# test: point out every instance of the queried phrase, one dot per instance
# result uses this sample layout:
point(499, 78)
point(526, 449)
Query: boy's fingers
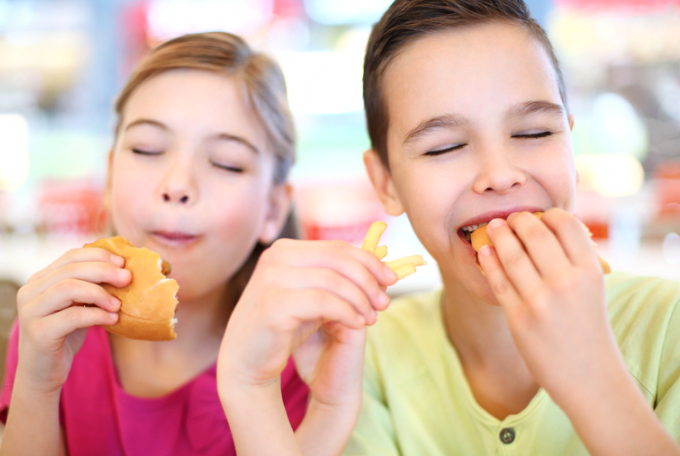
point(573, 237)
point(544, 249)
point(500, 285)
point(513, 259)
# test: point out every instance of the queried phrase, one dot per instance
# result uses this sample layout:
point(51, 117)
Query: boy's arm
point(549, 283)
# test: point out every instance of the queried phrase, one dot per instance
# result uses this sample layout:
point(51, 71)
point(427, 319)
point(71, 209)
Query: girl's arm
point(311, 299)
point(55, 308)
point(546, 276)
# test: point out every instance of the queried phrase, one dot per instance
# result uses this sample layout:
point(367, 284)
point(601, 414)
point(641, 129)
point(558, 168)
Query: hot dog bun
point(148, 303)
point(479, 238)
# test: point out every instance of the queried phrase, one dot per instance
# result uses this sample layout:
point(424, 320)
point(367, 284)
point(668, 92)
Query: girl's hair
point(264, 90)
point(260, 78)
point(406, 21)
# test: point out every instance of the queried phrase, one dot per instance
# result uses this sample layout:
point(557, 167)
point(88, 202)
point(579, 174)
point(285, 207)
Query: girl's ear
point(382, 183)
point(280, 200)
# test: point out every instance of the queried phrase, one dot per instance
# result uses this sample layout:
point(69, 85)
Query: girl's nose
point(498, 173)
point(178, 185)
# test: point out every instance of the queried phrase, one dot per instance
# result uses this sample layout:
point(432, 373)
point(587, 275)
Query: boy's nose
point(499, 174)
point(182, 199)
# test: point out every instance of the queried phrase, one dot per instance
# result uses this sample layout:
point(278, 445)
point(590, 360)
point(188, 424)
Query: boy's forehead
point(453, 70)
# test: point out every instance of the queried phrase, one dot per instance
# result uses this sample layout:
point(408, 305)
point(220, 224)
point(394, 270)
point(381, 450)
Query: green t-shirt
point(417, 400)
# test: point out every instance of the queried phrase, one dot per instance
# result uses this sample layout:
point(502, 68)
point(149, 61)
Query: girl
point(539, 354)
point(197, 173)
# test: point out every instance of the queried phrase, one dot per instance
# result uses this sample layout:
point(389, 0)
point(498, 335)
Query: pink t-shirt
point(100, 418)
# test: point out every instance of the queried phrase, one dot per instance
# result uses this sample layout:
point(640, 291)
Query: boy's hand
point(546, 276)
point(311, 298)
point(56, 307)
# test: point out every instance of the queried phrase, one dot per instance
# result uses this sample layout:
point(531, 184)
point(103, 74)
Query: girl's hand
point(311, 298)
point(546, 276)
point(56, 307)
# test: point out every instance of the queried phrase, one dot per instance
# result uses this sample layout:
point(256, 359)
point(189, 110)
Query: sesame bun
point(148, 303)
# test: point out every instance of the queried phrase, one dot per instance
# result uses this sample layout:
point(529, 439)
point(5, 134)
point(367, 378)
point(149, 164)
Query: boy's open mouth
point(467, 230)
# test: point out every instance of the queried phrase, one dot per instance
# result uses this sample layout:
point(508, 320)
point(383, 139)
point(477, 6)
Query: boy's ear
point(107, 188)
point(382, 183)
point(280, 200)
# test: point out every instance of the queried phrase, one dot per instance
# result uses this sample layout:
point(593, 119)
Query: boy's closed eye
point(435, 152)
point(533, 135)
point(140, 151)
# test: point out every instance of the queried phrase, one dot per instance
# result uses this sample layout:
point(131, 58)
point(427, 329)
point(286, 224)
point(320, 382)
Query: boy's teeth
point(471, 228)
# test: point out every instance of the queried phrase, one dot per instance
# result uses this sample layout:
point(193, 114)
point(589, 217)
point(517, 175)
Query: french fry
point(415, 260)
point(373, 236)
point(404, 270)
point(381, 251)
point(403, 266)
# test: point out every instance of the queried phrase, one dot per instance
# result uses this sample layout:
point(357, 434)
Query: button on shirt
point(417, 400)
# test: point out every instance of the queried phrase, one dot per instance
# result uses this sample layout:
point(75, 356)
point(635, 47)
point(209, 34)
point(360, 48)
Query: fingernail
point(114, 316)
point(123, 273)
point(118, 260)
point(390, 273)
point(485, 251)
point(383, 299)
point(495, 223)
point(115, 303)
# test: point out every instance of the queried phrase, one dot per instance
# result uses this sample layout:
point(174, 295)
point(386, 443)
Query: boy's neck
point(495, 371)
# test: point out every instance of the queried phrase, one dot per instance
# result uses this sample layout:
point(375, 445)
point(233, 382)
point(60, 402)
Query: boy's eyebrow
point(532, 107)
point(435, 123)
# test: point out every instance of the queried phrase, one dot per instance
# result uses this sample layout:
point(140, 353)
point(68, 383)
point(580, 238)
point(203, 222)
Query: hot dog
point(148, 303)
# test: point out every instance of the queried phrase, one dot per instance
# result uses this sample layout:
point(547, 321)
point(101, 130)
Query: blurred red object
point(342, 210)
point(71, 207)
point(667, 185)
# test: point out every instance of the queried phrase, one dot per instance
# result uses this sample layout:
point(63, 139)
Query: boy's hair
point(264, 89)
point(261, 80)
point(406, 21)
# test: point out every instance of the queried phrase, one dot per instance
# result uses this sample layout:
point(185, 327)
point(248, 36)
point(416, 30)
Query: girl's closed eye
point(228, 167)
point(145, 151)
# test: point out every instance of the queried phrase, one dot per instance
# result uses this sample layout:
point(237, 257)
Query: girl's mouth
point(174, 238)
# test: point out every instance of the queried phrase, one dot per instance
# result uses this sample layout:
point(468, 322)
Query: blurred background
point(63, 61)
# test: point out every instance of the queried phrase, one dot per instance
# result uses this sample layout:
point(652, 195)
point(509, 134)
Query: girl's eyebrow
point(435, 123)
point(533, 107)
point(153, 123)
point(219, 136)
point(245, 142)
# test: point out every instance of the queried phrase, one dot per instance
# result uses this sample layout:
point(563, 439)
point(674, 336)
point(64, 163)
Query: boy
point(527, 349)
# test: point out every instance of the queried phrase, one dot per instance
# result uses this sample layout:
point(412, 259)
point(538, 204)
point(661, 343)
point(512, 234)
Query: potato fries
point(403, 266)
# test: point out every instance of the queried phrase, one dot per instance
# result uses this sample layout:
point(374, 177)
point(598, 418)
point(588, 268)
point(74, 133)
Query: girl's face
point(477, 130)
point(191, 177)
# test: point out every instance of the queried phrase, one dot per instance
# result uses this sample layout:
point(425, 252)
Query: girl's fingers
point(573, 237)
point(81, 255)
point(500, 285)
point(68, 292)
point(360, 267)
point(334, 282)
point(513, 259)
point(544, 249)
point(63, 323)
point(316, 305)
point(93, 272)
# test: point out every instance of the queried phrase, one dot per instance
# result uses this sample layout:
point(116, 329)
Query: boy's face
point(477, 130)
